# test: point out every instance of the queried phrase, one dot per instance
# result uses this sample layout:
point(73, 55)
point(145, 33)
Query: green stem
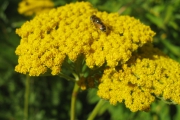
point(96, 110)
point(73, 101)
point(66, 77)
point(26, 97)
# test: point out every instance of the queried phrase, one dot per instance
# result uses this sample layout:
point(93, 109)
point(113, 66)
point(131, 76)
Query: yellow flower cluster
point(31, 7)
point(147, 75)
point(132, 70)
point(68, 32)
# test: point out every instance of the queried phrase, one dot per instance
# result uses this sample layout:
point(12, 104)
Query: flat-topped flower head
point(68, 32)
point(149, 74)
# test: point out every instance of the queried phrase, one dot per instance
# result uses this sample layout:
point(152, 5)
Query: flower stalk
point(26, 97)
point(96, 109)
point(73, 101)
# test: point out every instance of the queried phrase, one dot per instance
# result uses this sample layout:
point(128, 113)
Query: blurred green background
point(49, 97)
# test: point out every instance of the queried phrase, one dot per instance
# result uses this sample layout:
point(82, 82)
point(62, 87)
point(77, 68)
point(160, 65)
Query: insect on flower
point(98, 23)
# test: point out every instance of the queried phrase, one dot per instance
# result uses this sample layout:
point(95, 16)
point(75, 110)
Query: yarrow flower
point(121, 61)
point(68, 32)
point(149, 74)
point(32, 7)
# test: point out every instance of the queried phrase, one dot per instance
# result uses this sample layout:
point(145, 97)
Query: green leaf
point(158, 21)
